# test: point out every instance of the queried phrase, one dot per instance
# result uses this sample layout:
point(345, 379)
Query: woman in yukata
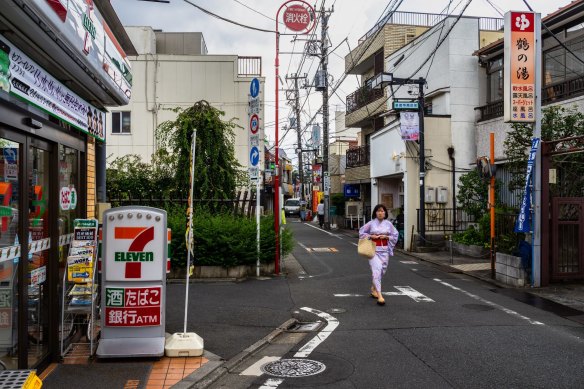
point(385, 235)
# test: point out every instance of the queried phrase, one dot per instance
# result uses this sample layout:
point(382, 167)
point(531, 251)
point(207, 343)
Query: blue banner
point(523, 223)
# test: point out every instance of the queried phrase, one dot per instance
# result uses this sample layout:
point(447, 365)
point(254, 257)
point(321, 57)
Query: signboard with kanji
point(133, 286)
point(522, 31)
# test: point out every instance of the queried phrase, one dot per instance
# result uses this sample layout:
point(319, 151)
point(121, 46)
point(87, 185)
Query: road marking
point(492, 304)
point(271, 383)
point(403, 291)
point(255, 368)
point(332, 324)
point(321, 249)
point(409, 262)
point(325, 231)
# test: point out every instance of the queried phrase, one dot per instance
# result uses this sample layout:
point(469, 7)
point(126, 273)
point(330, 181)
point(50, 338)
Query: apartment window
point(121, 122)
point(561, 66)
point(495, 80)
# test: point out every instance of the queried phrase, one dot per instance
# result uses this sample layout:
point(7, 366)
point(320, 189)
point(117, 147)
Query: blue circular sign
point(254, 156)
point(254, 88)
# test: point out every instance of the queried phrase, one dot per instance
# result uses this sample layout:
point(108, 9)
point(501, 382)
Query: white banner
point(27, 80)
point(409, 125)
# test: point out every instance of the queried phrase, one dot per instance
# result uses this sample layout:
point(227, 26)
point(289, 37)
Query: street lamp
point(384, 79)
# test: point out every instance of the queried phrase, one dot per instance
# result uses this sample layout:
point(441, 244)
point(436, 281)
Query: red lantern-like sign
point(297, 18)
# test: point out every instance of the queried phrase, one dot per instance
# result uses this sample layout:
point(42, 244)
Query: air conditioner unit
point(320, 80)
point(442, 195)
point(430, 197)
point(353, 208)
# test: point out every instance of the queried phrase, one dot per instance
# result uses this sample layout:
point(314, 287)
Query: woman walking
point(385, 236)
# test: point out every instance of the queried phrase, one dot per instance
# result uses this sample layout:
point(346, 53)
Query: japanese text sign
point(133, 307)
point(521, 56)
point(298, 17)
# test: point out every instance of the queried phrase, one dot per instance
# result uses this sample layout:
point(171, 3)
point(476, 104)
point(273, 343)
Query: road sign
point(298, 17)
point(254, 140)
point(253, 105)
point(253, 173)
point(254, 88)
point(405, 105)
point(254, 156)
point(254, 124)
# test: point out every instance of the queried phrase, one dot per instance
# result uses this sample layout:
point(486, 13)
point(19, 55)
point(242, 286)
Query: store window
point(121, 122)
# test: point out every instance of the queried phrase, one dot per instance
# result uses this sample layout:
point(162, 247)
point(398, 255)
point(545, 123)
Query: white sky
point(351, 19)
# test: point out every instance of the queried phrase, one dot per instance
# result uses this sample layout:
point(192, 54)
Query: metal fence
point(243, 204)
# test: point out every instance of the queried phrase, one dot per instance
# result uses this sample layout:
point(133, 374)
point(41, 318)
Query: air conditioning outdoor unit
point(442, 195)
point(430, 197)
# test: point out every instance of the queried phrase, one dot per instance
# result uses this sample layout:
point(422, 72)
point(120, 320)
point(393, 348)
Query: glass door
point(10, 166)
point(38, 255)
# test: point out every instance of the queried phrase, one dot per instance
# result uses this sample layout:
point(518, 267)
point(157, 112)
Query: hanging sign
point(409, 125)
point(521, 33)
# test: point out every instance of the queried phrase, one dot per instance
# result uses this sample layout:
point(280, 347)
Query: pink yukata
point(381, 259)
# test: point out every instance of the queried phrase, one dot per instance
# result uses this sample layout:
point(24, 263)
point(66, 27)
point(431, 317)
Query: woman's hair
point(374, 214)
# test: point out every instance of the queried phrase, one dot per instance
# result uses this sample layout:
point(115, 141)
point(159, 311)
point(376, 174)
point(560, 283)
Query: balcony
point(563, 90)
point(490, 111)
point(358, 156)
point(361, 97)
point(249, 66)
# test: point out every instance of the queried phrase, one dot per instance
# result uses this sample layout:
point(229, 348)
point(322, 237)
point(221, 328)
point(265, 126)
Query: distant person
point(320, 213)
point(385, 236)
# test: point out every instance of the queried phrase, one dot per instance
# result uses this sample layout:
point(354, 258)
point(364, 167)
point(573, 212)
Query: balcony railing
point(249, 66)
point(563, 90)
point(361, 97)
point(490, 111)
point(358, 156)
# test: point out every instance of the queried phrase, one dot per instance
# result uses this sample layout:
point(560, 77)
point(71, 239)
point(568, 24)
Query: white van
point(292, 206)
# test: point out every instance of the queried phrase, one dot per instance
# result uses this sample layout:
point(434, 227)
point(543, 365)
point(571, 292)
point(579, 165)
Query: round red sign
point(297, 18)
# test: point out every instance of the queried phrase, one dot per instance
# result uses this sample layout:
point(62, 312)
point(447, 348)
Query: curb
point(215, 369)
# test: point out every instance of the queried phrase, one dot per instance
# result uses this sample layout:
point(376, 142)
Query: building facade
point(386, 166)
point(61, 63)
point(174, 70)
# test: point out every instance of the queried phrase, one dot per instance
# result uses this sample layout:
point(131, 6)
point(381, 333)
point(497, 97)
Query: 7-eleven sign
point(135, 246)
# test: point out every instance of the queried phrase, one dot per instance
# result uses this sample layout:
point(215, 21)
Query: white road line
point(409, 262)
point(492, 304)
point(271, 383)
point(255, 368)
point(303, 246)
point(414, 294)
point(325, 231)
point(403, 291)
point(332, 324)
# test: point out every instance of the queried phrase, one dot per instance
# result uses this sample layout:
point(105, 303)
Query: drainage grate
point(306, 327)
point(293, 368)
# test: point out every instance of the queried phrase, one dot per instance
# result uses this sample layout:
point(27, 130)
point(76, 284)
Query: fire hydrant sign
point(133, 286)
point(133, 307)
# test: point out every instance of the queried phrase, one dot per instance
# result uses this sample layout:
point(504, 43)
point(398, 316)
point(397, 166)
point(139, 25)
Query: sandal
point(374, 294)
point(380, 301)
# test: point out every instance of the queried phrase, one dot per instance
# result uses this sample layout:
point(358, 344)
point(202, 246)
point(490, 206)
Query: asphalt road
point(437, 329)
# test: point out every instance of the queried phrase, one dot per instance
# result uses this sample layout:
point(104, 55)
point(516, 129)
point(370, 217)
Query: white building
point(174, 70)
point(451, 95)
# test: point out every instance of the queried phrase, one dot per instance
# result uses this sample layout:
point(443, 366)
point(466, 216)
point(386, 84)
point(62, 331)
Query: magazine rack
point(80, 290)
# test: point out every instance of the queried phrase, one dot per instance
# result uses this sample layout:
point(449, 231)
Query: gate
point(562, 209)
point(567, 223)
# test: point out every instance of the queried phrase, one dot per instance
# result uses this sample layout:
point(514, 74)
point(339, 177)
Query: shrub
point(471, 236)
point(223, 239)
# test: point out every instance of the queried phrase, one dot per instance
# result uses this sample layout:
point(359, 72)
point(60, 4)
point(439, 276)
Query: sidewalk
point(567, 294)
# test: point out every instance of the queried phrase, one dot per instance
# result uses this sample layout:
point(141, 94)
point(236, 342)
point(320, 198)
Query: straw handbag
point(366, 248)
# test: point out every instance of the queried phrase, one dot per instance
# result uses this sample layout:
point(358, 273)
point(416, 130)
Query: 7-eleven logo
point(135, 255)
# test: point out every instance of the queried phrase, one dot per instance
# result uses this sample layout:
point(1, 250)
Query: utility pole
point(296, 77)
point(325, 113)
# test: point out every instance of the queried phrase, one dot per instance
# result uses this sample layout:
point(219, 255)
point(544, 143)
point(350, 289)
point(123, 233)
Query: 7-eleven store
point(61, 63)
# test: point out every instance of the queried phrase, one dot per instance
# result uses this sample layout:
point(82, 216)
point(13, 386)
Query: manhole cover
point(478, 307)
point(293, 368)
point(336, 310)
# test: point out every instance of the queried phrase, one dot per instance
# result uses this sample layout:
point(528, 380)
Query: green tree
point(557, 122)
point(217, 171)
point(473, 194)
point(129, 176)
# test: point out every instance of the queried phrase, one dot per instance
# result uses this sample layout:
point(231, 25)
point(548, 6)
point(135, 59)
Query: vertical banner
point(523, 223)
point(519, 67)
point(409, 125)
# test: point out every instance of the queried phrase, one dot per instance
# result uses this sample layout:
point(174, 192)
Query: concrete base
point(510, 270)
point(183, 344)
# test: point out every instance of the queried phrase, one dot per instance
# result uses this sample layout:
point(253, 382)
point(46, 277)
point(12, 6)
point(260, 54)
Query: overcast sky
point(351, 19)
